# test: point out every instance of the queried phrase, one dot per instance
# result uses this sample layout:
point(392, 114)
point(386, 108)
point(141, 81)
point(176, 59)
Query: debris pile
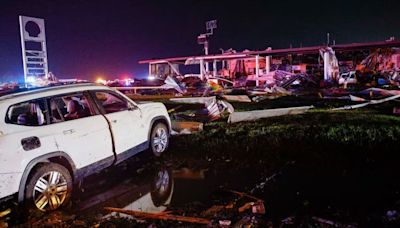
point(244, 206)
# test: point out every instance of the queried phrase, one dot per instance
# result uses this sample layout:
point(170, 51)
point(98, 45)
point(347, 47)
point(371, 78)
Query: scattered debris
point(186, 173)
point(245, 207)
point(242, 194)
point(162, 216)
point(375, 92)
point(358, 99)
point(5, 213)
point(215, 209)
point(258, 114)
point(327, 222)
point(174, 109)
point(226, 106)
point(213, 109)
point(225, 223)
point(171, 82)
point(271, 177)
point(3, 224)
point(392, 215)
point(246, 221)
point(187, 127)
point(258, 208)
point(288, 220)
point(396, 110)
point(373, 102)
point(237, 98)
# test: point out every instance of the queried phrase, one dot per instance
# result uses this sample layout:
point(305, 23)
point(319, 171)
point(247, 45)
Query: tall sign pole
point(203, 38)
point(34, 50)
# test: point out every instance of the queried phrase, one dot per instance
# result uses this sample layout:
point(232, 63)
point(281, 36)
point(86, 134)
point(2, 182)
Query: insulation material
point(169, 81)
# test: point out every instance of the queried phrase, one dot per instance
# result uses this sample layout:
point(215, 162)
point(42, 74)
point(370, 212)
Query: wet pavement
point(292, 194)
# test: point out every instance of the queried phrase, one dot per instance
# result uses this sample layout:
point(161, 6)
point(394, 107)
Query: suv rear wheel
point(49, 187)
point(159, 139)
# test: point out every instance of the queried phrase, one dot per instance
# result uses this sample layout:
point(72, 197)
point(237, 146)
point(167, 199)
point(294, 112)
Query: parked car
point(51, 138)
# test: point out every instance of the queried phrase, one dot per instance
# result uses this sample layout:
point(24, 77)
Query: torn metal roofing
point(275, 52)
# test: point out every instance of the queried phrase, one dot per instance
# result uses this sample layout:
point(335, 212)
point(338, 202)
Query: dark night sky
point(88, 38)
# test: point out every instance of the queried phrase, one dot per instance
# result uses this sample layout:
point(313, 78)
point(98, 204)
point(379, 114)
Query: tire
point(49, 188)
point(159, 139)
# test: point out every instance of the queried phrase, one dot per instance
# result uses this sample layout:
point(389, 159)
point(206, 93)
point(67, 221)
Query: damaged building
point(369, 64)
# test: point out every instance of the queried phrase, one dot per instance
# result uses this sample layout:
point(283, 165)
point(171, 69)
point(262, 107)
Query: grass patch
point(320, 135)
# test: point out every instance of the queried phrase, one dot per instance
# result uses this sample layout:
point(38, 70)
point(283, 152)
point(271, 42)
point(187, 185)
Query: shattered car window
point(111, 103)
point(69, 107)
point(31, 113)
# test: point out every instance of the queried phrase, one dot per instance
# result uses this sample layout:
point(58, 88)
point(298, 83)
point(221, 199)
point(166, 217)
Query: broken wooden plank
point(242, 194)
point(237, 98)
point(189, 126)
point(259, 114)
point(161, 216)
point(245, 207)
point(5, 212)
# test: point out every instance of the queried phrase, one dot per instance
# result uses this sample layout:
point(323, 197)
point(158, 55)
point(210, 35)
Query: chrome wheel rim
point(162, 181)
point(160, 140)
point(50, 191)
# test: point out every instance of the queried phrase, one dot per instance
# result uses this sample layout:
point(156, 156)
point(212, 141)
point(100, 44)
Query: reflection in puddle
point(147, 193)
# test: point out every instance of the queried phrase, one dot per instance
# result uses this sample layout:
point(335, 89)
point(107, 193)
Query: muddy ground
point(322, 168)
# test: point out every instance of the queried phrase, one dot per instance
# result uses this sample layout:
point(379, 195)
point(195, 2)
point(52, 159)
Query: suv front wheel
point(49, 187)
point(159, 139)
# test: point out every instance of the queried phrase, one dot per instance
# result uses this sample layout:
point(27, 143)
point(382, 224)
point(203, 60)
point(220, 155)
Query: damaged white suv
point(51, 138)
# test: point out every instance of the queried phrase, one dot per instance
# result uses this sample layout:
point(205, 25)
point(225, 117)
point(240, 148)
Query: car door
point(81, 132)
point(125, 121)
point(27, 135)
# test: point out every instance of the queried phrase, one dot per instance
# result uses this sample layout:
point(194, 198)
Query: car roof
point(61, 88)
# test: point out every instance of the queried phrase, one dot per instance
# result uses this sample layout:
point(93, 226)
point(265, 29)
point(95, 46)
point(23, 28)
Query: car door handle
point(114, 121)
point(68, 132)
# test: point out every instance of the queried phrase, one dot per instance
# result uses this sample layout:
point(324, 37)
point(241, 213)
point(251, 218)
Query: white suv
point(51, 138)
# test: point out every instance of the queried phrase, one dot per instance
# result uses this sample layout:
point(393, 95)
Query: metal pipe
point(215, 68)
point(257, 69)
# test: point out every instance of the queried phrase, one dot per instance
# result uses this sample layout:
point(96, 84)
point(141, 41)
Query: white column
point(267, 64)
point(327, 76)
point(202, 69)
point(257, 69)
point(149, 70)
point(206, 52)
point(215, 68)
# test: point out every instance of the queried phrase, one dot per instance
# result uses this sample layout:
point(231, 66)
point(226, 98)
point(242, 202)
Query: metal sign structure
point(34, 51)
point(202, 39)
point(210, 26)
